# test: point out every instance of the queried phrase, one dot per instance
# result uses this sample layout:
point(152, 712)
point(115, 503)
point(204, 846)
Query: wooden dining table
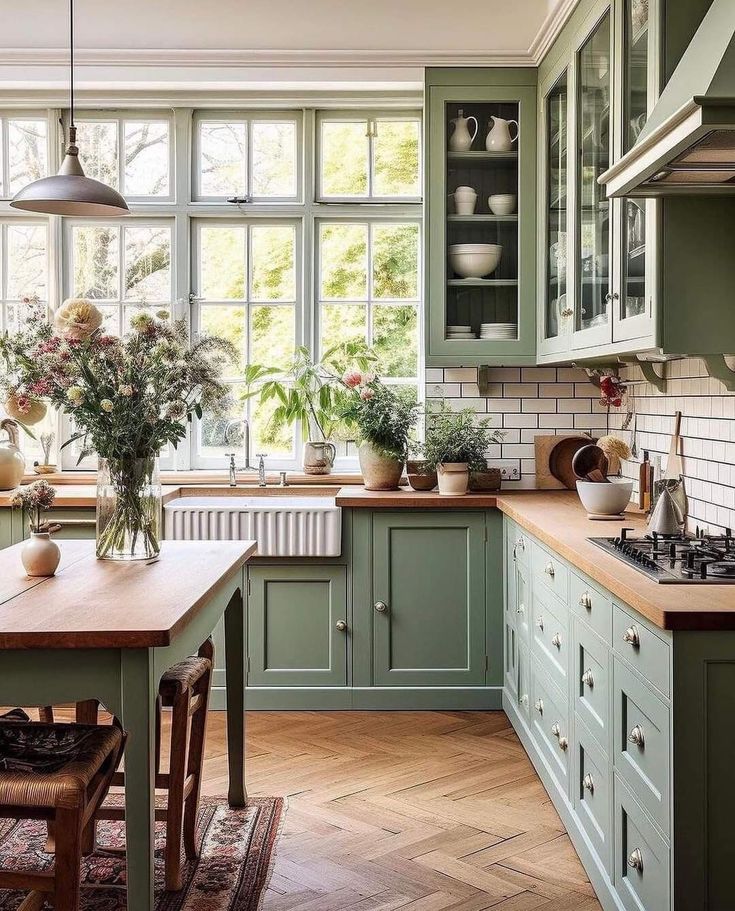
point(108, 630)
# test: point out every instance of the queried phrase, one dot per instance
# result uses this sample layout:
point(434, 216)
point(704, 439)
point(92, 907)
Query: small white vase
point(40, 555)
point(453, 478)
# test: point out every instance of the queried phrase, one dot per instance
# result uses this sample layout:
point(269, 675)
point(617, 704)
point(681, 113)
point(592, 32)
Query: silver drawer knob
point(521, 543)
point(539, 706)
point(563, 743)
point(556, 640)
point(549, 569)
point(631, 636)
point(540, 623)
point(588, 679)
point(588, 783)
point(341, 625)
point(635, 860)
point(521, 609)
point(637, 737)
point(524, 699)
point(586, 601)
point(381, 607)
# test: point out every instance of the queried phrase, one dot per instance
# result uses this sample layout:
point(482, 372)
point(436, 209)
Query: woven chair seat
point(182, 676)
point(51, 765)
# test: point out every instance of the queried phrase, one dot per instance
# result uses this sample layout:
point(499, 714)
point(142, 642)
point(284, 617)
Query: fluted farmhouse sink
point(283, 526)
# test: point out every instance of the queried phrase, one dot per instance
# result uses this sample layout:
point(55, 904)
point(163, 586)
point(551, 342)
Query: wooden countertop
point(93, 603)
point(557, 519)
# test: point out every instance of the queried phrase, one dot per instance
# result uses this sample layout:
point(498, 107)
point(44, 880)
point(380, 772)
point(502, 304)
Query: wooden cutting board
point(544, 445)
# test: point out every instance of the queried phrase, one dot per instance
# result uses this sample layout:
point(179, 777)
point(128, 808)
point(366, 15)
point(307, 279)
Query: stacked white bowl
point(474, 260)
point(460, 332)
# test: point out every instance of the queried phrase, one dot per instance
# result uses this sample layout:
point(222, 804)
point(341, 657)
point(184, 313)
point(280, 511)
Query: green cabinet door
point(6, 527)
point(75, 522)
point(428, 582)
point(297, 625)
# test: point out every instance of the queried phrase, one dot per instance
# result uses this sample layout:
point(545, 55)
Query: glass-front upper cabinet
point(594, 146)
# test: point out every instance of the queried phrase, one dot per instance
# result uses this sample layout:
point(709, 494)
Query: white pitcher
point(461, 139)
point(499, 138)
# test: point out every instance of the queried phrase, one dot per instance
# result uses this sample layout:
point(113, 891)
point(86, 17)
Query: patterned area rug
point(236, 850)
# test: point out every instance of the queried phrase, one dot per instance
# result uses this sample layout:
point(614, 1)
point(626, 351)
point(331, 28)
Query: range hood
point(688, 143)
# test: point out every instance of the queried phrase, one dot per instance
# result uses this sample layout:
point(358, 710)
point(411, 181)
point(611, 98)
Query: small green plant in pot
point(456, 443)
point(383, 418)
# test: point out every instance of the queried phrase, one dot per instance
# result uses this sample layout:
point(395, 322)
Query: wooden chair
point(60, 773)
point(185, 689)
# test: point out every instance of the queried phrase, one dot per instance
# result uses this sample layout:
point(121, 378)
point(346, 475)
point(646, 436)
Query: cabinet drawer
point(641, 748)
point(524, 682)
point(591, 793)
point(550, 635)
point(641, 648)
point(519, 544)
point(548, 570)
point(550, 724)
point(642, 857)
point(591, 675)
point(591, 604)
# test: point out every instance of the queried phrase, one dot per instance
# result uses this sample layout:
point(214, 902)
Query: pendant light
point(69, 192)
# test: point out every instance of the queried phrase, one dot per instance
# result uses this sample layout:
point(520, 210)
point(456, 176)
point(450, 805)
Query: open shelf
point(482, 282)
point(466, 158)
point(470, 219)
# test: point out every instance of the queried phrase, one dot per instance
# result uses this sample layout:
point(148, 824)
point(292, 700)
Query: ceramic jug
point(12, 463)
point(461, 139)
point(318, 457)
point(498, 137)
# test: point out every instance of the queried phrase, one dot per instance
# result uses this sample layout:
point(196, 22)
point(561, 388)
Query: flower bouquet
point(127, 397)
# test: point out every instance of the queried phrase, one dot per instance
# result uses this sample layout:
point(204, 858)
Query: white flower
point(106, 405)
point(75, 394)
point(176, 410)
point(77, 318)
point(125, 390)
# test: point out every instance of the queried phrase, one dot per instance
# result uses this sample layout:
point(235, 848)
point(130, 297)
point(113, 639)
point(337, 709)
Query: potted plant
point(421, 475)
point(311, 392)
point(456, 443)
point(40, 555)
point(383, 417)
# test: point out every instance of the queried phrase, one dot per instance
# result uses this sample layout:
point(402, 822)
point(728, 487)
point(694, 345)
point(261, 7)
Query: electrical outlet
point(509, 471)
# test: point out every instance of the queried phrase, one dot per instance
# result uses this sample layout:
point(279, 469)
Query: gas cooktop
point(672, 559)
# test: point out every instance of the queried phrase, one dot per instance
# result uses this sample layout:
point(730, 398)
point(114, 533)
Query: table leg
point(235, 679)
point(139, 690)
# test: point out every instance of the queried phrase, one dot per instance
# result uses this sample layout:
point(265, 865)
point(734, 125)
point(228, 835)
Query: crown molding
point(550, 28)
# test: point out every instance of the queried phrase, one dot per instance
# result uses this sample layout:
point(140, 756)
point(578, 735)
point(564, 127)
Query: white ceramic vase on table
point(40, 555)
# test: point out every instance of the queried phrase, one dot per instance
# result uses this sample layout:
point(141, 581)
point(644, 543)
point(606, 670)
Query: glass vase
point(128, 509)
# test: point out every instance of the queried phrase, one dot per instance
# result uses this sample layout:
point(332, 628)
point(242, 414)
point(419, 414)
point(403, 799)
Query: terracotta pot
point(40, 555)
point(379, 471)
point(318, 457)
point(453, 478)
point(419, 476)
point(36, 412)
point(485, 480)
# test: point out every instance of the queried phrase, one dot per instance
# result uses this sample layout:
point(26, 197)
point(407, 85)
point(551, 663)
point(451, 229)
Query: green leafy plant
point(308, 391)
point(457, 436)
point(382, 415)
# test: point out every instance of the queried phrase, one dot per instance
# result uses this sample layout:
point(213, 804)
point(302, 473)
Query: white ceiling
point(233, 42)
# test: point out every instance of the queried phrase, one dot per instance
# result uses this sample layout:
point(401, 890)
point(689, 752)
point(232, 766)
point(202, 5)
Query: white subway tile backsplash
point(538, 374)
point(460, 374)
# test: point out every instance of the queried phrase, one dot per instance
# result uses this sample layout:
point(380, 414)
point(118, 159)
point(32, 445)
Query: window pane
point(129, 312)
point(274, 159)
point(98, 150)
point(396, 158)
point(273, 335)
point(146, 157)
point(344, 153)
point(110, 319)
point(27, 153)
point(95, 253)
point(272, 249)
point(395, 261)
point(342, 323)
point(395, 339)
point(264, 437)
point(230, 323)
point(216, 438)
point(222, 258)
point(27, 263)
point(222, 154)
point(343, 258)
point(148, 263)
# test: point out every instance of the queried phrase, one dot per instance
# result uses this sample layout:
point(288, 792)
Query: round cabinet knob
point(341, 625)
point(549, 569)
point(556, 640)
point(616, 296)
point(524, 699)
point(631, 636)
point(381, 607)
point(637, 737)
point(588, 679)
point(563, 743)
point(521, 609)
point(586, 601)
point(556, 729)
point(521, 543)
point(539, 706)
point(588, 783)
point(635, 860)
point(608, 298)
point(540, 623)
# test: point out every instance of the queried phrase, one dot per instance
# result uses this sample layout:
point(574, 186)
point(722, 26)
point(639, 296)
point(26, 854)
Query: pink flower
point(367, 378)
point(41, 387)
point(366, 393)
point(23, 404)
point(352, 378)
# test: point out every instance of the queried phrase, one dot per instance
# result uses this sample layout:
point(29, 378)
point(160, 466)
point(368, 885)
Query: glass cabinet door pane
point(636, 82)
point(556, 205)
point(593, 143)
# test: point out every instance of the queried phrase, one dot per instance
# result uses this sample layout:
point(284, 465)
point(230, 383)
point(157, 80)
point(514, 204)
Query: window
point(23, 151)
point(23, 266)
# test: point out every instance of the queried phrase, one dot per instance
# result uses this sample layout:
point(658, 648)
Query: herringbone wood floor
point(422, 811)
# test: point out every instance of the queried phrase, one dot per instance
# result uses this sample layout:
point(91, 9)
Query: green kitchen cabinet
point(7, 517)
point(75, 522)
point(507, 295)
point(298, 625)
point(428, 593)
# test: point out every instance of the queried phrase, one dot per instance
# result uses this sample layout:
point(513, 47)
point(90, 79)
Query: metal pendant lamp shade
point(69, 192)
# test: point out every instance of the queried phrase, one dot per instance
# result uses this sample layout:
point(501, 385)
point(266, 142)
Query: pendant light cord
point(71, 63)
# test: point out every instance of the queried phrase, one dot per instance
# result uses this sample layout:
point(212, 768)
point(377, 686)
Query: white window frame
point(5, 299)
point(22, 114)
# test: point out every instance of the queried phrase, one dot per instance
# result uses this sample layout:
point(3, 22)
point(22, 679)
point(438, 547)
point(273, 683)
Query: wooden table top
point(93, 603)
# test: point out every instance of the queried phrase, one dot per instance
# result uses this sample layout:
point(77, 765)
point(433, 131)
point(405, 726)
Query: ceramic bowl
point(502, 203)
point(474, 260)
point(605, 499)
